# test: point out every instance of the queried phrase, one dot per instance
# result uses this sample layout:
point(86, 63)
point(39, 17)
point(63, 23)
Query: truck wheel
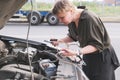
point(42, 19)
point(52, 19)
point(35, 19)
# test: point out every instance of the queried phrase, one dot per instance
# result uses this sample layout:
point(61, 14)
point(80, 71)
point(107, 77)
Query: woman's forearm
point(88, 49)
point(66, 39)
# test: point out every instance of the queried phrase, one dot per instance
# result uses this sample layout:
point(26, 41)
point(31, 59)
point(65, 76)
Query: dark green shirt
point(90, 31)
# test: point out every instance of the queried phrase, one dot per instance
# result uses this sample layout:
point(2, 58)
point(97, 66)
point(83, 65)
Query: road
point(45, 32)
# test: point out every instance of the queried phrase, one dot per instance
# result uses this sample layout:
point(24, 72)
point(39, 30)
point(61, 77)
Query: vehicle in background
point(37, 17)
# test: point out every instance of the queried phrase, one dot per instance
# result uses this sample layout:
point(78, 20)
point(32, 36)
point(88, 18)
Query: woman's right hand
point(54, 42)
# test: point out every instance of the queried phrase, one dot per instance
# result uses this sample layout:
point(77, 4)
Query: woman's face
point(65, 17)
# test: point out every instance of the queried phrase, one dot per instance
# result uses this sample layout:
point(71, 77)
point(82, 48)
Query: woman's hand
point(54, 42)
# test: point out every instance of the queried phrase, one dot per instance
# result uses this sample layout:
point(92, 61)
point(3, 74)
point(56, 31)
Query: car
point(23, 59)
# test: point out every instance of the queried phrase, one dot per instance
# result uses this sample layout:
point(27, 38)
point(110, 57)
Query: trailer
point(37, 17)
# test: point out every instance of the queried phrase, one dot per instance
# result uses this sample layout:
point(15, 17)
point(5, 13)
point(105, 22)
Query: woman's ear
point(72, 11)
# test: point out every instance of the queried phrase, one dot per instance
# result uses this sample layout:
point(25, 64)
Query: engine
point(14, 62)
point(19, 61)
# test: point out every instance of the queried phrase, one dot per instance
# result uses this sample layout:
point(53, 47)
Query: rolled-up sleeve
point(96, 34)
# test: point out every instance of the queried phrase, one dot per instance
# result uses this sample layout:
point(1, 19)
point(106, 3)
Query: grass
point(99, 9)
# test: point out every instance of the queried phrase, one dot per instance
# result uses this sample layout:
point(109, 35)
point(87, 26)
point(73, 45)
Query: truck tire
point(52, 19)
point(36, 18)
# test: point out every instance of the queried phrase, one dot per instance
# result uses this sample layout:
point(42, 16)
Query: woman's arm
point(88, 49)
point(66, 39)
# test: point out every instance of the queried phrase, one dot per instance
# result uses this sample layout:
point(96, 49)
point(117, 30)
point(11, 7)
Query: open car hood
point(8, 8)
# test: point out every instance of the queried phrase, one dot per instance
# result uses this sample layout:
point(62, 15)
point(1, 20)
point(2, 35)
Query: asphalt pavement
point(45, 32)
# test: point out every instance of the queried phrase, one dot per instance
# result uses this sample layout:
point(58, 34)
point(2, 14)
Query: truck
point(37, 17)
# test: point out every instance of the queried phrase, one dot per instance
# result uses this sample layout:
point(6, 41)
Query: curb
point(104, 19)
point(110, 19)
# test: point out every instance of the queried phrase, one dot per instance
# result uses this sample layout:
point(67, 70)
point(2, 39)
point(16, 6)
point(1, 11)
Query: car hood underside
point(8, 8)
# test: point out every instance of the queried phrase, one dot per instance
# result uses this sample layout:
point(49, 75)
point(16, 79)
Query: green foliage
point(40, 6)
point(98, 8)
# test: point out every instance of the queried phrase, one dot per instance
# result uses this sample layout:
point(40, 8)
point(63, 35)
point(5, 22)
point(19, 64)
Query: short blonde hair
point(62, 6)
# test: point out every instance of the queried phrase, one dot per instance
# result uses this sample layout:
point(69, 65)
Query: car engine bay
point(45, 64)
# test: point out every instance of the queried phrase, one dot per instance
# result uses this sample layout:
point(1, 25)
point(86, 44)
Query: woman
point(88, 29)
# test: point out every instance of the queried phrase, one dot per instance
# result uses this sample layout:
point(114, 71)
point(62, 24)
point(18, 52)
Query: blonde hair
point(62, 6)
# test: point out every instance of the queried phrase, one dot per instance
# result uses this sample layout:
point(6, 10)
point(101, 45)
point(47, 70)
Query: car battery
point(48, 68)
